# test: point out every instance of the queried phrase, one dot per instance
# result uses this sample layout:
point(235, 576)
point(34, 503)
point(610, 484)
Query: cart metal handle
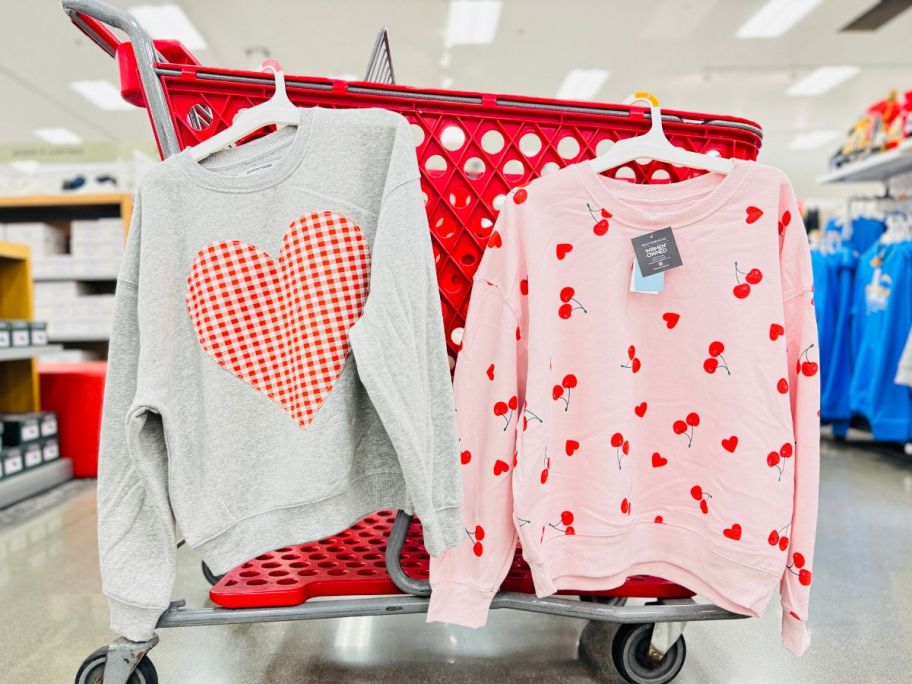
point(92, 17)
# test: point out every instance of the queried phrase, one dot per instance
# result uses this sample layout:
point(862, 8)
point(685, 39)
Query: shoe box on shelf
point(22, 334)
point(29, 439)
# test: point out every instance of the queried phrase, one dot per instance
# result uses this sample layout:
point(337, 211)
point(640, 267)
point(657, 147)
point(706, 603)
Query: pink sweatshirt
point(617, 433)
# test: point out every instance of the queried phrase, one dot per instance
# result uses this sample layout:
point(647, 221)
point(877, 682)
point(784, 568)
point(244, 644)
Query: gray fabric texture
point(185, 441)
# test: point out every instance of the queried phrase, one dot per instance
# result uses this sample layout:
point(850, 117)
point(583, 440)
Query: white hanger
point(654, 145)
point(278, 110)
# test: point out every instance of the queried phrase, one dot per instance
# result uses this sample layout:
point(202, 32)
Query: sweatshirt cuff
point(133, 622)
point(443, 529)
point(459, 604)
point(795, 637)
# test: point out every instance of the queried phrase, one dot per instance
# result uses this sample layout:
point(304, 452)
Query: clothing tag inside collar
point(656, 251)
point(257, 169)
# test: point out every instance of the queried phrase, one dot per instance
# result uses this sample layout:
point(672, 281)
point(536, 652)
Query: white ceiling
point(685, 51)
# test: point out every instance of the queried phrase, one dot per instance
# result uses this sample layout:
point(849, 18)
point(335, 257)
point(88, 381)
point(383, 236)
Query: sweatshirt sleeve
point(400, 349)
point(489, 387)
point(804, 394)
point(136, 536)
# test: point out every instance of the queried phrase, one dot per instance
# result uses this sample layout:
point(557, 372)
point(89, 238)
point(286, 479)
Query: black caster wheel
point(630, 653)
point(211, 577)
point(92, 670)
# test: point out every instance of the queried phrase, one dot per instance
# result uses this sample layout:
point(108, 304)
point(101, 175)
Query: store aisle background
point(54, 614)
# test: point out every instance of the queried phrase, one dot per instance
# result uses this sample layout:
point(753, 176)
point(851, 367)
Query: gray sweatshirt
point(233, 405)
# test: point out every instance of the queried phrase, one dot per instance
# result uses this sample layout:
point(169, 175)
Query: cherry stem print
point(533, 416)
point(751, 277)
point(522, 521)
point(622, 447)
point(595, 217)
point(601, 220)
point(807, 367)
point(686, 427)
point(697, 493)
point(568, 383)
point(566, 309)
point(566, 523)
point(633, 361)
point(476, 538)
point(546, 467)
point(715, 359)
point(780, 537)
point(796, 567)
point(775, 458)
point(505, 409)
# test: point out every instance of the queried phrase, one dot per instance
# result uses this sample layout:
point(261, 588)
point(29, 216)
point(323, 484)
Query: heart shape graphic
point(775, 331)
point(640, 410)
point(658, 460)
point(730, 444)
point(733, 532)
point(495, 240)
point(753, 213)
point(490, 372)
point(281, 325)
point(571, 446)
point(563, 249)
point(500, 467)
point(671, 319)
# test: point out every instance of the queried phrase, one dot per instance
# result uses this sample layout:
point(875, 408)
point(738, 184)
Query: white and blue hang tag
point(655, 253)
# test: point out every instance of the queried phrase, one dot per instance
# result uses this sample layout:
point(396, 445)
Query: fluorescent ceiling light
point(102, 94)
point(812, 139)
point(169, 22)
point(582, 84)
point(821, 80)
point(29, 166)
point(472, 22)
point(776, 17)
point(58, 136)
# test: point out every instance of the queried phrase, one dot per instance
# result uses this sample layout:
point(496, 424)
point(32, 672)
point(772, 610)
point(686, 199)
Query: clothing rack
point(464, 184)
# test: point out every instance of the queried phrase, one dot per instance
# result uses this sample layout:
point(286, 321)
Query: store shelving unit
point(877, 167)
point(19, 373)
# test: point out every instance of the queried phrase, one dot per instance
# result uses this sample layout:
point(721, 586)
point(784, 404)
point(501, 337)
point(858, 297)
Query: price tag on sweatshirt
point(656, 252)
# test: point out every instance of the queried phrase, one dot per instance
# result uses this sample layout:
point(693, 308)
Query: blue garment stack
point(863, 300)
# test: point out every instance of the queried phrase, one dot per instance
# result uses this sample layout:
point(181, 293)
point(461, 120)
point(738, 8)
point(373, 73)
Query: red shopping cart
point(472, 149)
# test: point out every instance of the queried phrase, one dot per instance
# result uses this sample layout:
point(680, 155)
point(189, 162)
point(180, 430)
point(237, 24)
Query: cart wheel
point(211, 577)
point(92, 670)
point(630, 653)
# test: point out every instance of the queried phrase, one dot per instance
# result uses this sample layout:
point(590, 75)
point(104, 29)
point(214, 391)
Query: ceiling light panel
point(472, 22)
point(57, 136)
point(812, 139)
point(776, 17)
point(103, 94)
point(168, 22)
point(821, 80)
point(582, 84)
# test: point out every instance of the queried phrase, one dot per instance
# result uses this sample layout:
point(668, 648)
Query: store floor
point(52, 614)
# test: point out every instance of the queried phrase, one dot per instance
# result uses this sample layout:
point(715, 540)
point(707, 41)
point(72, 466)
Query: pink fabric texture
point(616, 433)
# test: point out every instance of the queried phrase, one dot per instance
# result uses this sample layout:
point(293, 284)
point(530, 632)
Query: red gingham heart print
point(282, 325)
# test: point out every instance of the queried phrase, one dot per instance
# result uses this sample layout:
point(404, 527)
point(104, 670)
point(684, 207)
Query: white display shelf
point(19, 353)
point(877, 167)
point(34, 480)
point(80, 337)
point(52, 277)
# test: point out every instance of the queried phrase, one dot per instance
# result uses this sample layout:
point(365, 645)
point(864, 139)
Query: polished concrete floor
point(52, 614)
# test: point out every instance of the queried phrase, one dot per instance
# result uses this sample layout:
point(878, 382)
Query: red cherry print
point(679, 427)
point(479, 533)
point(741, 291)
point(520, 196)
point(772, 459)
point(465, 457)
point(617, 439)
point(808, 367)
point(693, 419)
point(625, 507)
point(569, 381)
point(658, 460)
point(658, 520)
point(566, 294)
point(786, 450)
point(733, 532)
point(804, 577)
point(567, 518)
point(571, 446)
point(730, 444)
point(704, 507)
point(754, 276)
point(478, 548)
point(783, 543)
point(500, 467)
point(640, 409)
point(562, 249)
point(773, 538)
point(564, 311)
point(625, 447)
point(631, 352)
point(710, 365)
point(776, 331)
point(635, 365)
point(495, 240)
point(606, 214)
point(500, 408)
point(557, 392)
point(794, 614)
point(786, 218)
point(524, 286)
point(716, 348)
point(782, 386)
point(490, 372)
point(696, 492)
point(798, 560)
point(601, 220)
point(518, 335)
point(570, 530)
point(513, 403)
point(544, 475)
point(671, 319)
point(753, 214)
